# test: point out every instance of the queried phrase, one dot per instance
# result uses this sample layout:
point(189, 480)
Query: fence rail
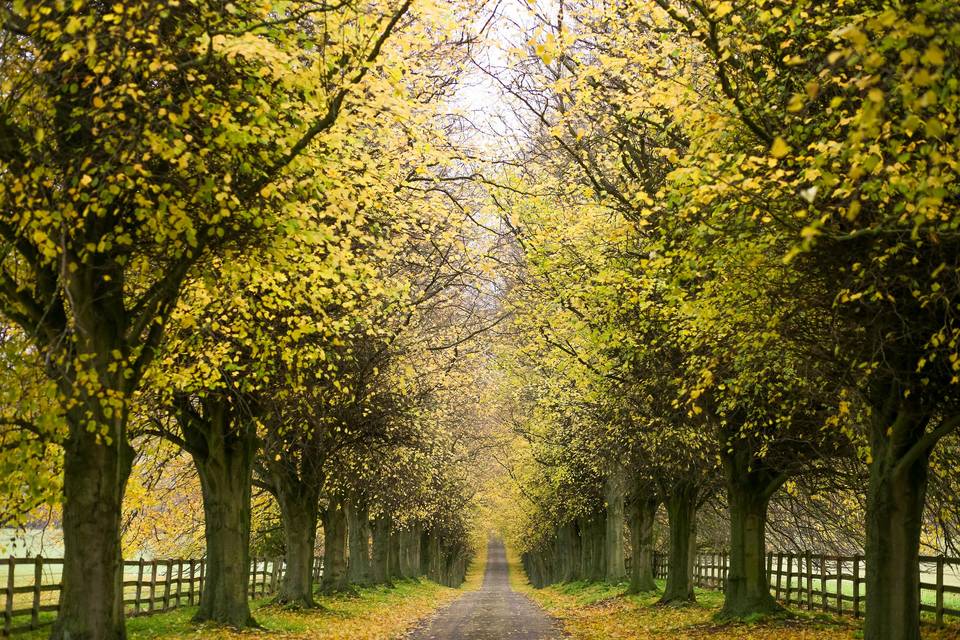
point(30, 587)
point(835, 584)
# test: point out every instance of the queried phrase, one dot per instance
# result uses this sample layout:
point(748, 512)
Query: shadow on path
point(494, 612)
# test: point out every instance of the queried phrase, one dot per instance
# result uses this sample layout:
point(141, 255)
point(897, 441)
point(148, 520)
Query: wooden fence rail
point(835, 584)
point(30, 587)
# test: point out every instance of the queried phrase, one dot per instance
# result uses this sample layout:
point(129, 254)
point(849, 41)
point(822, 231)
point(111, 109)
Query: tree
point(123, 167)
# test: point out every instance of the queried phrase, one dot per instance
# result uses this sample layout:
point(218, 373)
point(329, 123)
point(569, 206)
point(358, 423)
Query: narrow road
point(494, 612)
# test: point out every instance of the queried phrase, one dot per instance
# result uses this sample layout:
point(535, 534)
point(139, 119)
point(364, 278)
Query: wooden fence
point(31, 587)
point(835, 584)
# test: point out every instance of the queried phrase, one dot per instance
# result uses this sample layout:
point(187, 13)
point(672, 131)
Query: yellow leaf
point(779, 148)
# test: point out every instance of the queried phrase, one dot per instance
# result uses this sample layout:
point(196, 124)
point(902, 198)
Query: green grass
point(374, 613)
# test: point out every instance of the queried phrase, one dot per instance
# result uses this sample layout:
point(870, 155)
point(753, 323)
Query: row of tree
point(735, 270)
point(216, 234)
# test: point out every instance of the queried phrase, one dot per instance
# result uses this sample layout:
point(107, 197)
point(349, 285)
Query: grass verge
point(374, 613)
point(602, 611)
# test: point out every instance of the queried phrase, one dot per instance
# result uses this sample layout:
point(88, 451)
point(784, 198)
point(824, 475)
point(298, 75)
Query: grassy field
point(376, 613)
point(600, 611)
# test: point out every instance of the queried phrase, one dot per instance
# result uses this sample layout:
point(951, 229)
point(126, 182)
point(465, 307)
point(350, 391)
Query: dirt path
point(494, 612)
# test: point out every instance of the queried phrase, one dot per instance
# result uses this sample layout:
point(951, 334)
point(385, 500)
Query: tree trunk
point(435, 571)
point(358, 531)
point(748, 588)
point(682, 513)
point(583, 559)
point(95, 476)
point(615, 566)
point(380, 569)
point(642, 517)
point(394, 550)
point(750, 485)
point(593, 541)
point(225, 466)
point(334, 549)
point(299, 512)
point(895, 500)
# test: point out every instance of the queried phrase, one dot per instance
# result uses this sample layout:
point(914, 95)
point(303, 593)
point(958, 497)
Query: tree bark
point(748, 588)
point(567, 553)
point(380, 569)
point(750, 484)
point(334, 549)
point(615, 566)
point(593, 547)
point(394, 549)
point(224, 464)
point(642, 516)
point(95, 476)
point(682, 513)
point(299, 513)
point(895, 500)
point(358, 532)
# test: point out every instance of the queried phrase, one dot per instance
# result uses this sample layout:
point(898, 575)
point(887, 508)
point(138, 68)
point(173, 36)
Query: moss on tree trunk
point(335, 577)
point(615, 569)
point(895, 499)
point(358, 533)
point(750, 484)
point(299, 513)
point(380, 569)
point(95, 474)
point(682, 513)
point(641, 517)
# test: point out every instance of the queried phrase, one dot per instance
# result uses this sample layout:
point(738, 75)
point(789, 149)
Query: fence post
point(823, 582)
point(940, 561)
point(153, 584)
point(203, 567)
point(252, 580)
point(789, 576)
point(717, 571)
point(167, 585)
point(181, 596)
point(8, 610)
point(137, 594)
point(37, 581)
point(192, 583)
point(726, 568)
point(266, 574)
point(856, 585)
point(769, 570)
point(779, 571)
point(840, 585)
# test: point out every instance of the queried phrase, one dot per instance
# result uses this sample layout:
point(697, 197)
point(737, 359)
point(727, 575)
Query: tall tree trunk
point(394, 550)
point(895, 500)
point(358, 531)
point(598, 543)
point(95, 475)
point(334, 548)
point(424, 552)
point(750, 484)
point(616, 489)
point(435, 572)
point(641, 517)
point(682, 513)
point(566, 554)
point(225, 466)
point(380, 530)
point(299, 513)
point(583, 559)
